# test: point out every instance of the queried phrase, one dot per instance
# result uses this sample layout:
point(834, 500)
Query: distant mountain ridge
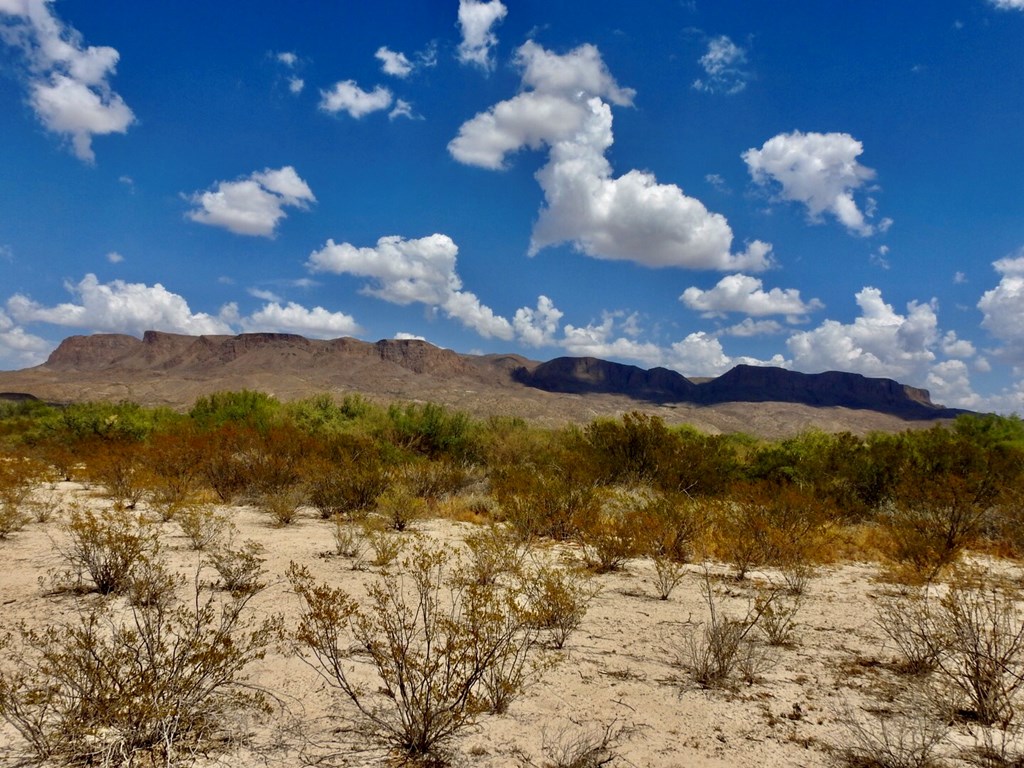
point(743, 383)
point(173, 369)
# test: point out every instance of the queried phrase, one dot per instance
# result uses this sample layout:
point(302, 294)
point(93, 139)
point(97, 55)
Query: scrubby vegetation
point(451, 637)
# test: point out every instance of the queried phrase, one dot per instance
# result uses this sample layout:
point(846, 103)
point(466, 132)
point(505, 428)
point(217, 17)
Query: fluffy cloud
point(565, 106)
point(1003, 307)
point(393, 62)
point(133, 308)
point(699, 354)
point(949, 383)
point(296, 84)
point(252, 205)
point(477, 20)
point(537, 327)
point(67, 81)
point(1008, 5)
point(819, 170)
point(294, 318)
point(18, 348)
point(745, 294)
point(288, 58)
point(118, 307)
point(599, 340)
point(347, 96)
point(881, 342)
point(413, 271)
point(723, 67)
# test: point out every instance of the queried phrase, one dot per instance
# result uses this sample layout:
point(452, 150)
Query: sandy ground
point(620, 671)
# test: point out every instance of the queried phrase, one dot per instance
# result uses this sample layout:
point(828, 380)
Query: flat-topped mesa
point(752, 383)
point(161, 351)
point(91, 353)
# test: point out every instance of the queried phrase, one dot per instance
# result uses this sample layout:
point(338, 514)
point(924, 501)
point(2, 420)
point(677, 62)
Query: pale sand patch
point(620, 669)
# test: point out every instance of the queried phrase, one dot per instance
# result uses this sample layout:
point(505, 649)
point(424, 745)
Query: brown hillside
point(174, 369)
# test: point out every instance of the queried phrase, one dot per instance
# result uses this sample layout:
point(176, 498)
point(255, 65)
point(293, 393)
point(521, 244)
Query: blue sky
point(820, 186)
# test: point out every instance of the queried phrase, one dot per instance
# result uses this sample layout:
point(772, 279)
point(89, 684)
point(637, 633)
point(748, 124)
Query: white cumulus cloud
point(477, 20)
point(745, 294)
point(538, 327)
point(420, 270)
point(565, 107)
point(1008, 5)
point(18, 348)
point(601, 340)
point(820, 171)
point(294, 318)
point(1003, 307)
point(723, 67)
point(393, 63)
point(67, 80)
point(252, 205)
point(118, 307)
point(881, 342)
point(347, 96)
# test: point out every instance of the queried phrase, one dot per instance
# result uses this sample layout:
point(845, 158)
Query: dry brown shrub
point(154, 683)
point(18, 478)
point(203, 525)
point(109, 546)
point(431, 639)
point(559, 599)
point(769, 525)
point(117, 465)
point(726, 645)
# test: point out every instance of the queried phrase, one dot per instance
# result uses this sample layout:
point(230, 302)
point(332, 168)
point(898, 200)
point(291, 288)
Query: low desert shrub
point(108, 546)
point(909, 622)
point(348, 485)
point(981, 636)
point(494, 552)
point(559, 599)
point(399, 508)
point(154, 683)
point(240, 569)
point(769, 525)
point(349, 539)
point(281, 504)
point(203, 525)
point(611, 532)
point(582, 746)
point(547, 504)
point(433, 480)
point(117, 466)
point(386, 546)
point(911, 737)
point(18, 478)
point(927, 530)
point(430, 638)
point(725, 645)
point(777, 622)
